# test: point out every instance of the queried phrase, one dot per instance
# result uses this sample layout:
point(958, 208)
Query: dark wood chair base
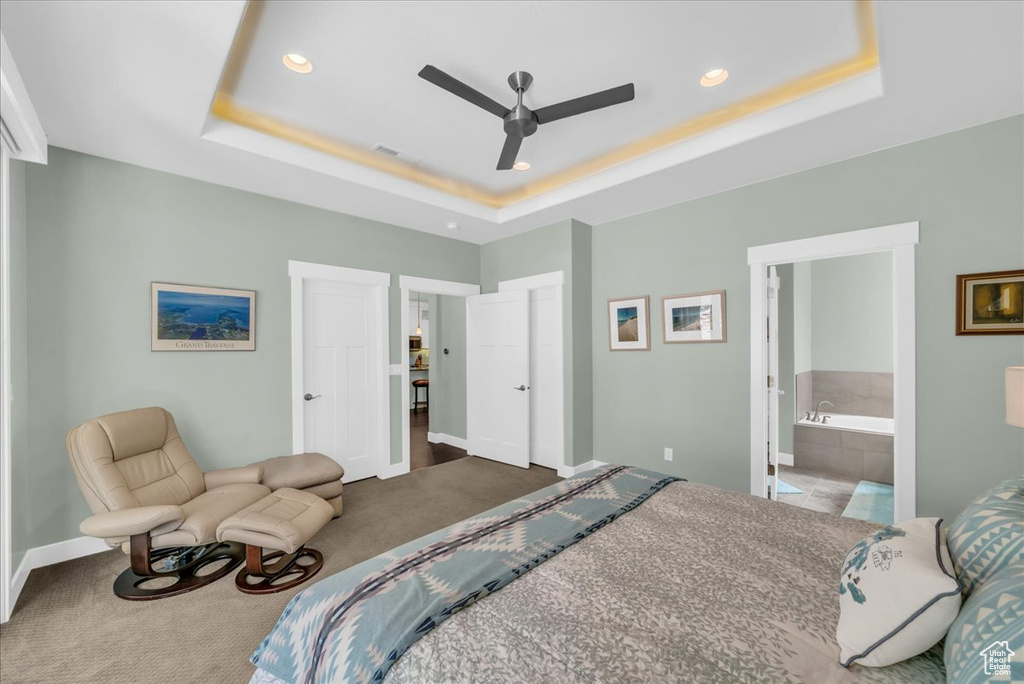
point(259, 578)
point(185, 566)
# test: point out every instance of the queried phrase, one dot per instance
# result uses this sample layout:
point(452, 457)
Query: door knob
point(521, 388)
point(310, 397)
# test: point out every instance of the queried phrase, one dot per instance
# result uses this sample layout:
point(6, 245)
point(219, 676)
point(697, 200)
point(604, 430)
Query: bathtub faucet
point(817, 410)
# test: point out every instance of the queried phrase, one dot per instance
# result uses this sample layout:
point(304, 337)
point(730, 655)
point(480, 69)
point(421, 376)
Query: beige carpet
point(69, 627)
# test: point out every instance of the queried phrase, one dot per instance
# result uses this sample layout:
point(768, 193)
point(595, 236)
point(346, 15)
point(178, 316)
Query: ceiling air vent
point(396, 154)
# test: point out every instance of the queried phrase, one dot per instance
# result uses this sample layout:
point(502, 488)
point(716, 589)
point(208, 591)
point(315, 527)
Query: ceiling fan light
point(521, 166)
point(297, 63)
point(714, 77)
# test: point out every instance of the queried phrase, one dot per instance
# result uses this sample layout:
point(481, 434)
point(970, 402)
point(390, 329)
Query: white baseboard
point(394, 470)
point(441, 438)
point(785, 459)
point(41, 556)
point(569, 471)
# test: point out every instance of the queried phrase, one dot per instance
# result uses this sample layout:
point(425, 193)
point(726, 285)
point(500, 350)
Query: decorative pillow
point(989, 534)
point(986, 641)
point(897, 594)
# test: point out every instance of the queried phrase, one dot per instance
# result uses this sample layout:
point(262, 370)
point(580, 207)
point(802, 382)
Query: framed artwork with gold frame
point(990, 303)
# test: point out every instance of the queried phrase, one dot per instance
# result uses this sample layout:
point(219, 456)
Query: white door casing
point(339, 360)
point(899, 240)
point(498, 376)
point(410, 284)
point(773, 383)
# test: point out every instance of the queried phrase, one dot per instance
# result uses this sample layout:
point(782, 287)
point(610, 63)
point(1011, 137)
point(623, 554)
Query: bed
point(619, 574)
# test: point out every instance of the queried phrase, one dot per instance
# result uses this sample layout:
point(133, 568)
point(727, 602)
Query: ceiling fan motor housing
point(520, 122)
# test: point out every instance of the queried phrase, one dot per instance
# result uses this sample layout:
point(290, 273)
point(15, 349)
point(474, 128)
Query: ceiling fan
point(521, 121)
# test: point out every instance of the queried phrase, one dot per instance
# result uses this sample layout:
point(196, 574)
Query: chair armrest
point(250, 474)
point(130, 521)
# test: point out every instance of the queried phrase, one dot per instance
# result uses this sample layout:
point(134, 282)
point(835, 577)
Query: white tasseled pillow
point(897, 594)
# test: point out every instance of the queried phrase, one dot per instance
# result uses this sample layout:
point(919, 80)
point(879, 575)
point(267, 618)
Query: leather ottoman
point(282, 521)
point(310, 472)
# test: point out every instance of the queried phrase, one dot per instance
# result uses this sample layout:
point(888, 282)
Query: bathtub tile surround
point(847, 453)
point(854, 393)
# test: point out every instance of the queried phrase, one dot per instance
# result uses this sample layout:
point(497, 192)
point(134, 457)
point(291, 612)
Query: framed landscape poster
point(628, 324)
point(697, 317)
point(990, 303)
point(191, 318)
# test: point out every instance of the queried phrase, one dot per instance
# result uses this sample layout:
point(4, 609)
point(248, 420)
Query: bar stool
point(416, 384)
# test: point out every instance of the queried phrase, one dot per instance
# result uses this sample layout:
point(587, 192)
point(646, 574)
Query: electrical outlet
point(668, 453)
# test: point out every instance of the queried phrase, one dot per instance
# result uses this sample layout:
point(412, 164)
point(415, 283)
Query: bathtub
point(840, 421)
point(855, 447)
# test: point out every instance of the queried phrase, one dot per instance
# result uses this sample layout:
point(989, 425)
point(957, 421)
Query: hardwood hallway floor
point(422, 453)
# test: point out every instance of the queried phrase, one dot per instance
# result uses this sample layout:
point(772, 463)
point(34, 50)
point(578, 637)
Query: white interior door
point(498, 377)
point(341, 372)
point(546, 428)
point(773, 383)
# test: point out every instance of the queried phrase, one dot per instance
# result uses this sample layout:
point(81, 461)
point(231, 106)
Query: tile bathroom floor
point(825, 492)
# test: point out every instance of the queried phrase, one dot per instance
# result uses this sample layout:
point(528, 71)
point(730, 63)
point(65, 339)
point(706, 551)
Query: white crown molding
point(844, 95)
point(850, 93)
point(18, 113)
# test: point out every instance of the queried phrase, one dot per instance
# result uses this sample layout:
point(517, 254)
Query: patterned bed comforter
point(696, 584)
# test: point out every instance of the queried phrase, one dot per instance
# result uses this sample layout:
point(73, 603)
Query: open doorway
point(811, 421)
point(831, 354)
point(437, 379)
point(433, 371)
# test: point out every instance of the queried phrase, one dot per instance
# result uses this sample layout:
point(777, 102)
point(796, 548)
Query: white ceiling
point(365, 88)
point(133, 81)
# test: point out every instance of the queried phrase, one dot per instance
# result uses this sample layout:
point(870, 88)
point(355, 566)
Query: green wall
point(448, 371)
point(100, 232)
point(563, 246)
point(850, 313)
point(965, 190)
point(91, 234)
point(803, 333)
point(787, 375)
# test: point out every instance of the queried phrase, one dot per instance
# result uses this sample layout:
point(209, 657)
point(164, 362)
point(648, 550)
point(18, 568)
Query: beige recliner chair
point(149, 496)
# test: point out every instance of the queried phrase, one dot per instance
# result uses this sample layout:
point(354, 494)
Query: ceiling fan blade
point(457, 87)
point(509, 152)
point(587, 103)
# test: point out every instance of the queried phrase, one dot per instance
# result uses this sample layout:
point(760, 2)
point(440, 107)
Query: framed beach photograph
point(990, 303)
point(192, 318)
point(629, 326)
point(697, 317)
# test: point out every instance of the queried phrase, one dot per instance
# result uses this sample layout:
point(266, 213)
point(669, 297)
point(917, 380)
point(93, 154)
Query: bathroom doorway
point(832, 358)
point(831, 349)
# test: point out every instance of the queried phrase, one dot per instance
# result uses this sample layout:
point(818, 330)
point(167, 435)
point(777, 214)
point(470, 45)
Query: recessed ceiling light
point(297, 63)
point(714, 77)
point(521, 166)
point(452, 225)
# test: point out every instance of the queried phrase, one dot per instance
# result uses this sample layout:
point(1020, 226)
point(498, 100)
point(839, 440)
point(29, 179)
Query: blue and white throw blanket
point(353, 626)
